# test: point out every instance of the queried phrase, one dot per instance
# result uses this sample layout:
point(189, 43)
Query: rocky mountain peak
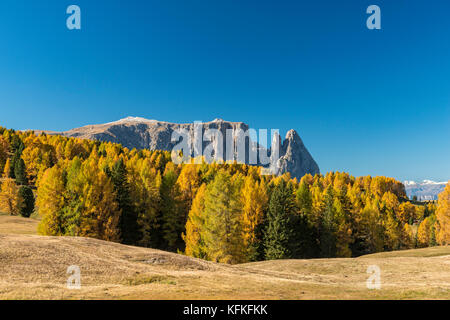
point(292, 135)
point(141, 133)
point(295, 158)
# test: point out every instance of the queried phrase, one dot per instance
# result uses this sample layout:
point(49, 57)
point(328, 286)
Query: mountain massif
point(425, 190)
point(140, 133)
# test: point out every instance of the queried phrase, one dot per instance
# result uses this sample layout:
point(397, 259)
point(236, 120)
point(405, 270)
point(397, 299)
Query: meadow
point(34, 267)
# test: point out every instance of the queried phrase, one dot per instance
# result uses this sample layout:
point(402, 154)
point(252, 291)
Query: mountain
point(295, 158)
point(425, 190)
point(140, 133)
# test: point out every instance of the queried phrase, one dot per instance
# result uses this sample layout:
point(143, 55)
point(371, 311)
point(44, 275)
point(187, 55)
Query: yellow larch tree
point(10, 200)
point(408, 236)
point(393, 228)
point(51, 201)
point(424, 232)
point(254, 200)
point(100, 217)
point(4, 149)
point(443, 217)
point(223, 224)
point(193, 237)
point(406, 212)
point(188, 183)
point(7, 169)
point(145, 182)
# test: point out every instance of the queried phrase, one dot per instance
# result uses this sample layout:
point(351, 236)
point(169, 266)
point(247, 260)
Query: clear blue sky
point(364, 101)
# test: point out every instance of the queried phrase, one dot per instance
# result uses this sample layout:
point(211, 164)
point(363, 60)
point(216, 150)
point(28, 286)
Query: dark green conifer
point(128, 220)
point(26, 194)
point(279, 230)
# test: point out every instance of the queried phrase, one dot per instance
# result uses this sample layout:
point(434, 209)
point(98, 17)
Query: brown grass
point(17, 225)
point(34, 267)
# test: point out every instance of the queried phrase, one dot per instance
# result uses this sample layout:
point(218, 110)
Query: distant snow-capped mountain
point(425, 190)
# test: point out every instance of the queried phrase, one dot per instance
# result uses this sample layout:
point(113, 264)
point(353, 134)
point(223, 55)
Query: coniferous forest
point(227, 213)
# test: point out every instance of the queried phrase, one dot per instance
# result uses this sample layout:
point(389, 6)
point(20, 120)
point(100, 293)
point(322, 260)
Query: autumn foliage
point(221, 212)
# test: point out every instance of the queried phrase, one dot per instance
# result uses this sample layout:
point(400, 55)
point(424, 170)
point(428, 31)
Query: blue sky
point(364, 101)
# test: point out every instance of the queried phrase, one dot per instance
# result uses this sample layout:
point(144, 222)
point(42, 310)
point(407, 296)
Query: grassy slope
point(34, 267)
point(17, 225)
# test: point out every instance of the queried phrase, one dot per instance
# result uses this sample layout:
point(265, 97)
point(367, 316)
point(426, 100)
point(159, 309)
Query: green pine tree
point(128, 220)
point(20, 172)
point(327, 227)
point(12, 168)
point(279, 231)
point(304, 199)
point(17, 144)
point(306, 234)
point(26, 194)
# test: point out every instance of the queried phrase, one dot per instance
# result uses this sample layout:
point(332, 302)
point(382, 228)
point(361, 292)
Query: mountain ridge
point(142, 133)
point(425, 190)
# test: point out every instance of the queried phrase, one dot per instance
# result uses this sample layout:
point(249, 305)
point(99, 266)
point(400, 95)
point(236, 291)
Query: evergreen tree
point(128, 225)
point(327, 226)
point(278, 232)
point(20, 172)
point(17, 145)
point(304, 199)
point(26, 194)
point(304, 245)
point(12, 167)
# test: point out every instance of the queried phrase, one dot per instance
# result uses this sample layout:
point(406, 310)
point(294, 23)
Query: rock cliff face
point(142, 133)
point(295, 158)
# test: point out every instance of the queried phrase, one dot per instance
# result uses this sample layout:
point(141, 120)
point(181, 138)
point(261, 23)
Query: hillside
point(17, 225)
point(34, 267)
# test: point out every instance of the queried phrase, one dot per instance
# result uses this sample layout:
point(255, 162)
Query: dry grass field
point(34, 267)
point(17, 225)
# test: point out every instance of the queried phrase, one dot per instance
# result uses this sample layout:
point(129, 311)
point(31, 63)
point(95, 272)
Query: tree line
point(225, 212)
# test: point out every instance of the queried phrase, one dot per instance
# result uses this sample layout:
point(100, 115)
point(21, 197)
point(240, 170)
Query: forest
point(223, 212)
